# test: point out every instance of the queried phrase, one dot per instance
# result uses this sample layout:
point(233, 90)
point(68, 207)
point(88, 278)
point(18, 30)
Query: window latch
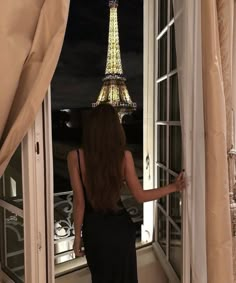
point(148, 166)
point(147, 161)
point(37, 147)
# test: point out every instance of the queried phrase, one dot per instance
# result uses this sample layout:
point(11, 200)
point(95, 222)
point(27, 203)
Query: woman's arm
point(148, 195)
point(78, 199)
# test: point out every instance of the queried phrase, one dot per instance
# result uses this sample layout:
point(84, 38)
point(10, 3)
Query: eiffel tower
point(114, 90)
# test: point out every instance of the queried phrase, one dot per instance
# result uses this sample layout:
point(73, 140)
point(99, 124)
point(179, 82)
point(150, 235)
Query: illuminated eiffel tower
point(114, 90)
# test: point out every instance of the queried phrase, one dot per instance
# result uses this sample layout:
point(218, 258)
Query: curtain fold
point(234, 130)
point(216, 48)
point(189, 62)
point(225, 15)
point(31, 36)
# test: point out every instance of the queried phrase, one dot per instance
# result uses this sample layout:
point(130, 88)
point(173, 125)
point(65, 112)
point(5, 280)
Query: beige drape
point(217, 24)
point(31, 37)
point(234, 108)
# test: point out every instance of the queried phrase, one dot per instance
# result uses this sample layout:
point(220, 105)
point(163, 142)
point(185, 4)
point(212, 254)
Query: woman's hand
point(77, 247)
point(180, 182)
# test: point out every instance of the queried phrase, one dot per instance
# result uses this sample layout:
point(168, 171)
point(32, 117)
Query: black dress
point(109, 242)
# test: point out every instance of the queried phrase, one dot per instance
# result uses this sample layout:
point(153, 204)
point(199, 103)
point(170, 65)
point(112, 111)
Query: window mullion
point(168, 133)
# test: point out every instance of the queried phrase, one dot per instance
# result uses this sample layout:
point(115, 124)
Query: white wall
point(149, 270)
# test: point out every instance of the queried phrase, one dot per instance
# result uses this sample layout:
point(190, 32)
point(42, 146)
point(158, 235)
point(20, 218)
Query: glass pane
point(162, 178)
point(162, 56)
point(162, 14)
point(161, 233)
point(174, 99)
point(175, 205)
point(173, 64)
point(175, 249)
point(171, 10)
point(12, 243)
point(161, 144)
point(175, 148)
point(11, 182)
point(162, 101)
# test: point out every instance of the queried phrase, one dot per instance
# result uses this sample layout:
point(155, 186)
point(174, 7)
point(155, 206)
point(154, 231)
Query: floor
point(149, 270)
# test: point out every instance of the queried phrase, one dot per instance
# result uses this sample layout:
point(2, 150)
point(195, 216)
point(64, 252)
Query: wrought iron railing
point(64, 228)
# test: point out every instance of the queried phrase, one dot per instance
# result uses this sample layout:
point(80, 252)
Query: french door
point(164, 220)
point(23, 211)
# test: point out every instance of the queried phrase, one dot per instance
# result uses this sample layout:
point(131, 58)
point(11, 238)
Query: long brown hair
point(104, 146)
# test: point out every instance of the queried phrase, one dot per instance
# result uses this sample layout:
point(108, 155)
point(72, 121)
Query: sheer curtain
point(189, 62)
point(204, 38)
point(217, 20)
point(31, 37)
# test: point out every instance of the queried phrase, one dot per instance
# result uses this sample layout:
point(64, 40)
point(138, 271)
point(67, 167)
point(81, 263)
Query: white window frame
point(47, 129)
point(33, 213)
point(150, 225)
point(34, 203)
point(148, 119)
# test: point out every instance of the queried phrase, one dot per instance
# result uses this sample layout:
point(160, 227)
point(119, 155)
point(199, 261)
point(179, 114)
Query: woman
point(97, 172)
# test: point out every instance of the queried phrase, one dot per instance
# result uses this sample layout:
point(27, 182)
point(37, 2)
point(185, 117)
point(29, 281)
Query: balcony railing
point(64, 227)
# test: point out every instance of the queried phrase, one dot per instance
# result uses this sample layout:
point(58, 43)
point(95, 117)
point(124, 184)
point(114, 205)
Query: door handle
point(147, 161)
point(148, 166)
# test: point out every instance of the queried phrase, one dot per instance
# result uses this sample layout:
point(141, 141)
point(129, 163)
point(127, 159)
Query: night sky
point(78, 77)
